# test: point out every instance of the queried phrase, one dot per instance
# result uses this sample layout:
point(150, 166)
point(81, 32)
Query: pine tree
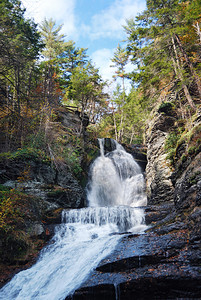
point(120, 61)
point(20, 45)
point(156, 41)
point(86, 91)
point(54, 46)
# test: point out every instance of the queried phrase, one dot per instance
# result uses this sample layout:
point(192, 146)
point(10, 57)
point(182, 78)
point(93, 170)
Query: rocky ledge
point(163, 263)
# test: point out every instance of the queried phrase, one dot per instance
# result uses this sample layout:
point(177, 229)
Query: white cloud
point(102, 60)
point(62, 11)
point(105, 25)
point(108, 23)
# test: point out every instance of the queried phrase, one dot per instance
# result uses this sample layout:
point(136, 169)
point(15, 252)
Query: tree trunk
point(132, 135)
point(49, 86)
point(115, 124)
point(178, 72)
point(197, 80)
point(16, 93)
point(197, 27)
point(121, 130)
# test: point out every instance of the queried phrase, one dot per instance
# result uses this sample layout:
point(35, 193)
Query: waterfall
point(86, 236)
point(116, 179)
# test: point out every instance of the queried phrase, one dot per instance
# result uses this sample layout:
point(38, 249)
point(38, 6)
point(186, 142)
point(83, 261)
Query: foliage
point(171, 140)
point(125, 118)
point(120, 60)
point(53, 40)
point(4, 188)
point(86, 91)
point(166, 107)
point(171, 145)
point(180, 146)
point(14, 207)
point(16, 216)
point(162, 43)
point(25, 154)
point(7, 213)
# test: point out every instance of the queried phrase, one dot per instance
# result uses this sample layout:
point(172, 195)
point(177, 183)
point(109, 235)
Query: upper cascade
point(116, 179)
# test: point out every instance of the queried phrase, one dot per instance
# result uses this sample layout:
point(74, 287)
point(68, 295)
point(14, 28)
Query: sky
point(93, 24)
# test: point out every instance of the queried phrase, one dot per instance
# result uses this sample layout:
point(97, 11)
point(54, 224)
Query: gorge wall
point(158, 170)
point(36, 183)
point(171, 246)
point(164, 262)
point(174, 176)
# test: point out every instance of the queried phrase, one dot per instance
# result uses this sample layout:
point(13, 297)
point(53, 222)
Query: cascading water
point(86, 236)
point(116, 179)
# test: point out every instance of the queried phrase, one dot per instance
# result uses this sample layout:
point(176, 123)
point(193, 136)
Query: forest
point(40, 71)
point(42, 74)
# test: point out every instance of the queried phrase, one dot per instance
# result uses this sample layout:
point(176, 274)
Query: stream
point(87, 235)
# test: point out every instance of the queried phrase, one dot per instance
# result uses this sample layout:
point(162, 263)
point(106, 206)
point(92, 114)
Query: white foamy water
point(116, 180)
point(86, 235)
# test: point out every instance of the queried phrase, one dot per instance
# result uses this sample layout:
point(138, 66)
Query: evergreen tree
point(20, 45)
point(86, 91)
point(156, 41)
point(54, 46)
point(120, 61)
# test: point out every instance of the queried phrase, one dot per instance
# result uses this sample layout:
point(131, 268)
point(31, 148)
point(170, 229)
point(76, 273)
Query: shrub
point(171, 145)
point(4, 188)
point(171, 141)
point(24, 154)
point(166, 107)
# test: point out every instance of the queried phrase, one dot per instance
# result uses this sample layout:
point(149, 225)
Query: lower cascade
point(86, 236)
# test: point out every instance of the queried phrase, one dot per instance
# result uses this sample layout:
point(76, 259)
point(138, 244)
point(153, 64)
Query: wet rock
point(139, 153)
point(161, 288)
point(155, 213)
point(37, 229)
point(194, 256)
point(144, 288)
point(167, 228)
point(109, 145)
point(131, 263)
point(187, 188)
point(99, 292)
point(164, 263)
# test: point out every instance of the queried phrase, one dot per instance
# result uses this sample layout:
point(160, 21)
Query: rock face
point(139, 153)
point(180, 183)
point(42, 182)
point(161, 264)
point(164, 263)
point(158, 171)
point(55, 188)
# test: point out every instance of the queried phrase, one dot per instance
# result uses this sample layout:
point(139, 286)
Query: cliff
point(36, 182)
point(164, 263)
point(174, 176)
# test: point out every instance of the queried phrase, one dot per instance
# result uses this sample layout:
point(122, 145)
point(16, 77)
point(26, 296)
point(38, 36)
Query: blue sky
point(92, 24)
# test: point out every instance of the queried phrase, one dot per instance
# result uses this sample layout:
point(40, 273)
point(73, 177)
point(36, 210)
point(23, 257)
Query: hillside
point(53, 110)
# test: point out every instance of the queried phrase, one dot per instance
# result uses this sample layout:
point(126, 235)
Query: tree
point(53, 40)
point(117, 106)
point(71, 57)
point(156, 44)
point(68, 60)
point(86, 91)
point(20, 45)
point(54, 46)
point(120, 61)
